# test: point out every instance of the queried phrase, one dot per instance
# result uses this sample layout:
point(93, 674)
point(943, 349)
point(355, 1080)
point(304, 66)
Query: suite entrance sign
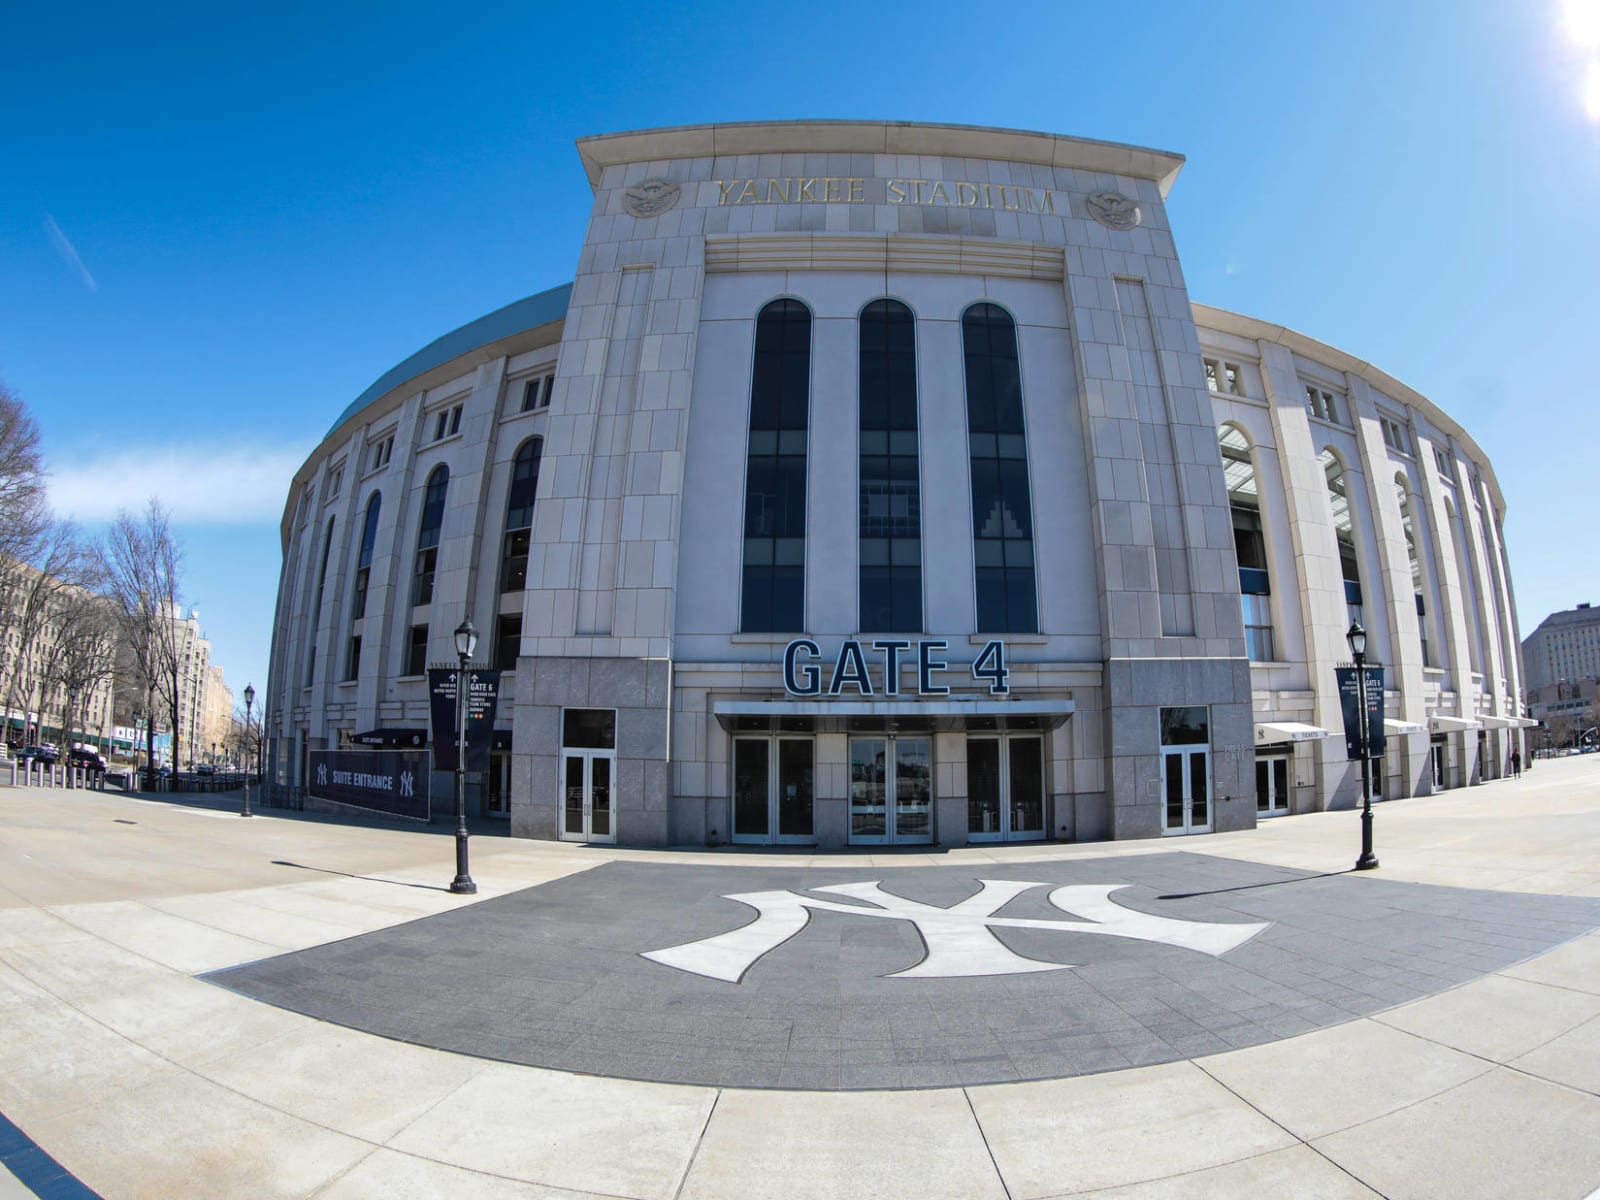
point(806, 673)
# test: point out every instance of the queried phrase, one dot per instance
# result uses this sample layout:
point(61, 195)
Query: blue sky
point(219, 227)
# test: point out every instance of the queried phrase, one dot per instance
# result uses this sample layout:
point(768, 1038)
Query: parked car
point(205, 769)
point(45, 754)
point(87, 758)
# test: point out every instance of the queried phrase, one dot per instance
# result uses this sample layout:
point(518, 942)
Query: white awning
point(1451, 725)
point(1524, 723)
point(1272, 733)
point(1390, 725)
point(1498, 722)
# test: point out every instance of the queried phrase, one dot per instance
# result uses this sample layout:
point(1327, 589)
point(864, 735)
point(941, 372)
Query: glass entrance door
point(586, 800)
point(772, 791)
point(1005, 789)
point(1186, 787)
point(1272, 785)
point(891, 791)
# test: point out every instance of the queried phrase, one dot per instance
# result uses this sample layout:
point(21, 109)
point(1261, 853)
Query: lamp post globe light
point(1357, 637)
point(466, 643)
point(249, 703)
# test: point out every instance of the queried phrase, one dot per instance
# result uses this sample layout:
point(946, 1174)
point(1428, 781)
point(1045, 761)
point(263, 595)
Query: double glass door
point(891, 790)
point(772, 788)
point(586, 795)
point(1005, 789)
point(1272, 785)
point(1186, 787)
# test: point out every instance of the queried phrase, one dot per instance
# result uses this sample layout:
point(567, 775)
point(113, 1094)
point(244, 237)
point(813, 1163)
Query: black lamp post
point(466, 643)
point(66, 730)
point(1357, 637)
point(249, 703)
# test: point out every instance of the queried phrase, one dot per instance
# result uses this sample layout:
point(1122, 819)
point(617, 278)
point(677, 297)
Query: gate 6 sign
point(805, 675)
point(958, 940)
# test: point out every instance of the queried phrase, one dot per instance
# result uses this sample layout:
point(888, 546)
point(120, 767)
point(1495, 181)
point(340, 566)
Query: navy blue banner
point(483, 698)
point(386, 781)
point(1350, 704)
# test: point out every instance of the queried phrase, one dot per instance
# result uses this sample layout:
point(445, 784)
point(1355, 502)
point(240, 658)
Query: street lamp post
point(249, 703)
point(66, 730)
point(1357, 637)
point(466, 643)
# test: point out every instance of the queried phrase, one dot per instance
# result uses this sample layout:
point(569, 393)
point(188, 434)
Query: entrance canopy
point(945, 715)
point(1275, 733)
point(1391, 726)
point(1452, 725)
point(391, 739)
point(1498, 722)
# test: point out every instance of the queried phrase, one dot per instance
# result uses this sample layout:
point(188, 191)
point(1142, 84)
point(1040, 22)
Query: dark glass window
point(417, 651)
point(1002, 514)
point(352, 667)
point(369, 534)
point(890, 508)
point(316, 614)
point(589, 728)
point(519, 515)
point(507, 641)
point(428, 536)
point(774, 583)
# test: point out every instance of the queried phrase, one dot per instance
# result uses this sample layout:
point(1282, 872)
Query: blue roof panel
point(528, 313)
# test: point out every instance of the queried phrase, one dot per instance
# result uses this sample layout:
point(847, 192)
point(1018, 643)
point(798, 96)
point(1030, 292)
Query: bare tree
point(23, 509)
point(33, 588)
point(82, 652)
point(140, 562)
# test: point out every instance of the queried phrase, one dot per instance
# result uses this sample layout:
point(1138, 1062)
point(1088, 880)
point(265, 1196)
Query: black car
point(87, 758)
point(48, 755)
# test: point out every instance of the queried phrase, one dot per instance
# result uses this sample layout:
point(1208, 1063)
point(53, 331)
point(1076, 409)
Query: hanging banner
point(1350, 705)
point(483, 700)
point(386, 781)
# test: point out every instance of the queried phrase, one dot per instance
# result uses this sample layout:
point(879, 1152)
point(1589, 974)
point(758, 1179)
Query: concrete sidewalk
point(143, 1080)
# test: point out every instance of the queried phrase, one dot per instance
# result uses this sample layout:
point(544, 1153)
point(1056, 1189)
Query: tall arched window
point(1344, 534)
point(1249, 544)
point(1418, 580)
point(1002, 514)
point(428, 536)
point(890, 522)
point(1469, 586)
point(358, 605)
point(772, 594)
point(316, 613)
point(519, 515)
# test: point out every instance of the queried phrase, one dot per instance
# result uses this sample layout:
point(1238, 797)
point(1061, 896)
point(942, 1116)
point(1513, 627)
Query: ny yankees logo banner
point(958, 940)
point(386, 781)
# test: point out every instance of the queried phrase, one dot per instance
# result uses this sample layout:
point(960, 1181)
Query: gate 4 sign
point(804, 676)
point(959, 940)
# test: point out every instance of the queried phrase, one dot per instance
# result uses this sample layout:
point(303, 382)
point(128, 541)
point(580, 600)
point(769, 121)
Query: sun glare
point(1591, 92)
point(1582, 21)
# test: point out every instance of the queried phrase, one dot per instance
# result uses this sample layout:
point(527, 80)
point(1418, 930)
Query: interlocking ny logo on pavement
point(958, 940)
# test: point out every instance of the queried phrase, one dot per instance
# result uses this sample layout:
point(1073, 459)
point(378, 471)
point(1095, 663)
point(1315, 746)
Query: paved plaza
point(196, 1005)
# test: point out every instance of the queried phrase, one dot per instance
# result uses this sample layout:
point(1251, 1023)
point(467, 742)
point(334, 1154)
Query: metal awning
point(1451, 725)
point(1497, 722)
point(1523, 723)
point(1273, 733)
point(911, 715)
point(1390, 725)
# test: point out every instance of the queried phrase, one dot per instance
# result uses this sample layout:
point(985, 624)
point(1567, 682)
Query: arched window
point(369, 535)
point(519, 515)
point(1418, 580)
point(1249, 544)
point(1469, 586)
point(1002, 514)
point(316, 612)
point(772, 593)
point(428, 536)
point(358, 606)
point(1344, 534)
point(890, 522)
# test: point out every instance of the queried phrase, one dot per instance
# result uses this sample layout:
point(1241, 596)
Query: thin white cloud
point(68, 252)
point(219, 484)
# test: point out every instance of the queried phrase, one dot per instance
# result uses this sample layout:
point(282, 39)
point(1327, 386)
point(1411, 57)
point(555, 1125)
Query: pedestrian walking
point(1516, 764)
